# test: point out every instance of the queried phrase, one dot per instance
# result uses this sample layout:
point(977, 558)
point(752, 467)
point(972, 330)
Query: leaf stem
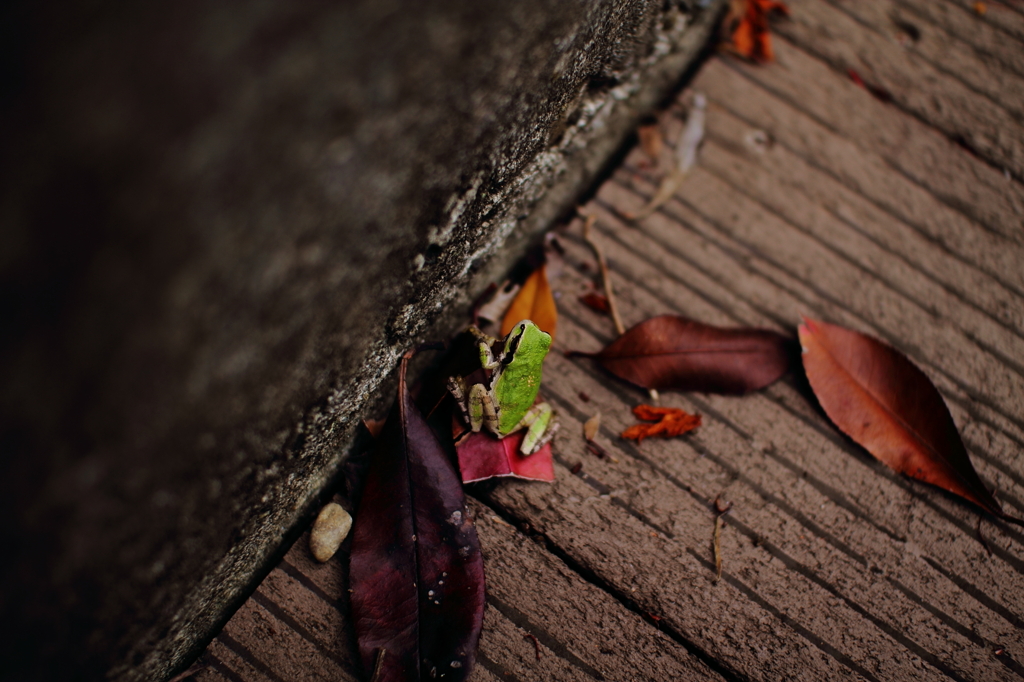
point(720, 511)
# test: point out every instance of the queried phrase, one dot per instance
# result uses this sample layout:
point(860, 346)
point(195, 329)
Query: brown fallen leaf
point(670, 421)
point(881, 400)
point(671, 352)
point(746, 24)
point(534, 302)
point(415, 570)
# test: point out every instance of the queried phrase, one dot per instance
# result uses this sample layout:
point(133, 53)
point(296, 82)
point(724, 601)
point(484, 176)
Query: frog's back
point(522, 379)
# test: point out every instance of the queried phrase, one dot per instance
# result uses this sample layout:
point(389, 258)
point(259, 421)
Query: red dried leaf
point(416, 572)
point(534, 302)
point(483, 456)
point(881, 400)
point(596, 302)
point(671, 352)
point(671, 421)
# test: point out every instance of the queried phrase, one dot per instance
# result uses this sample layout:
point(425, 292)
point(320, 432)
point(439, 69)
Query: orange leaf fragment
point(534, 302)
point(881, 400)
point(374, 426)
point(670, 421)
point(747, 23)
point(650, 140)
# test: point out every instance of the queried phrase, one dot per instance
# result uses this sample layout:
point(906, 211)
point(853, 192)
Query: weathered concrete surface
point(220, 226)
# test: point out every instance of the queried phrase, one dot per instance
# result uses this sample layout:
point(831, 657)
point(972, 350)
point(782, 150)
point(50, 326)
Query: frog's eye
point(513, 345)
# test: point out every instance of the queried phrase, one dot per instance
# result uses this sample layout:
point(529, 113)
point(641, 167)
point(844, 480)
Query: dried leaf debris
point(747, 31)
point(669, 422)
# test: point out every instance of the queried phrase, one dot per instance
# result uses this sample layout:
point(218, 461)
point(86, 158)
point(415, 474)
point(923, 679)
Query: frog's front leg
point(485, 343)
point(540, 425)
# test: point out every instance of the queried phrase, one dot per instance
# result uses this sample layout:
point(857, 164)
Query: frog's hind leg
point(541, 428)
point(481, 409)
point(457, 387)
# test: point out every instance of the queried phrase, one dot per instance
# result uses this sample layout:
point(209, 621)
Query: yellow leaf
point(534, 302)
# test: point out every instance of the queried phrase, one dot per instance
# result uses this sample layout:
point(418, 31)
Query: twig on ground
point(536, 644)
point(981, 538)
point(602, 264)
point(588, 222)
point(686, 157)
point(197, 668)
point(720, 512)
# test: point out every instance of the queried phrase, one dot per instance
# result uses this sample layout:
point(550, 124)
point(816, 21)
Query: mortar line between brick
point(870, 200)
point(222, 668)
point(556, 646)
point(871, 28)
point(547, 639)
point(803, 521)
point(714, 171)
point(277, 612)
point(997, 26)
point(786, 619)
point(921, 358)
point(704, 501)
point(790, 622)
point(980, 154)
point(307, 582)
point(977, 49)
point(591, 577)
point(495, 668)
point(723, 143)
point(246, 655)
point(971, 589)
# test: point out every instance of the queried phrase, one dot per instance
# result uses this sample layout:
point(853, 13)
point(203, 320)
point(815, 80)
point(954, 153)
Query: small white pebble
point(329, 530)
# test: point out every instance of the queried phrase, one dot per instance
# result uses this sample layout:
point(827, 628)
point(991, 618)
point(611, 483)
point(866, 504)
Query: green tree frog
point(504, 404)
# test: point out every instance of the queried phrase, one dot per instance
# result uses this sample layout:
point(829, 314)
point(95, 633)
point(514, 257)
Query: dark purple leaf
point(416, 572)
